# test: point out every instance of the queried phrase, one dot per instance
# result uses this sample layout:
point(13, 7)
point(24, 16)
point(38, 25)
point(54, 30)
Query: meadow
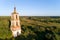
point(33, 28)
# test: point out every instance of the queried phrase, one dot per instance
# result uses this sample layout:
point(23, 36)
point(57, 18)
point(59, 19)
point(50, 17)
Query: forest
point(33, 28)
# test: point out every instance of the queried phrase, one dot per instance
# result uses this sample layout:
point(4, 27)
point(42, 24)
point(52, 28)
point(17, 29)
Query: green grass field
point(33, 28)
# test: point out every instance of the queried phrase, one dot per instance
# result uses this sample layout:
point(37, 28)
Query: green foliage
point(33, 28)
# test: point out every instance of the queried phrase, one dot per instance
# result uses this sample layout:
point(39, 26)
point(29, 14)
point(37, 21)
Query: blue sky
point(30, 7)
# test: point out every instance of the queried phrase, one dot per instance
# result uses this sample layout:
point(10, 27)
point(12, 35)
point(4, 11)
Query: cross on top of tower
point(14, 9)
point(14, 12)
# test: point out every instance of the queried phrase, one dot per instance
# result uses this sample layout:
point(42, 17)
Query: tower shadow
point(9, 23)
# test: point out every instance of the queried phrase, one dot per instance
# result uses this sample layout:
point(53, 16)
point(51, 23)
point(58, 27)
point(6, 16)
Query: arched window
point(17, 23)
point(16, 16)
point(17, 33)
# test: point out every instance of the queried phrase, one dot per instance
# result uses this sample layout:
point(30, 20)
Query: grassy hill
point(33, 28)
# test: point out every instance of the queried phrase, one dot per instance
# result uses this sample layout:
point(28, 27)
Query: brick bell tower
point(15, 24)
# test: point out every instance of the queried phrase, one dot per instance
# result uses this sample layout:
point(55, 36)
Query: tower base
point(16, 33)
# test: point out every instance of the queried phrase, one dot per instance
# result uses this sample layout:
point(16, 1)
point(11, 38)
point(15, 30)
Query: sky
point(30, 7)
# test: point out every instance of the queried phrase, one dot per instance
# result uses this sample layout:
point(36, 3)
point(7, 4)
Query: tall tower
point(15, 24)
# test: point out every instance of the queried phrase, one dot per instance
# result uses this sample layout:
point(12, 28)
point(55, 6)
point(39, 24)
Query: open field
point(33, 28)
